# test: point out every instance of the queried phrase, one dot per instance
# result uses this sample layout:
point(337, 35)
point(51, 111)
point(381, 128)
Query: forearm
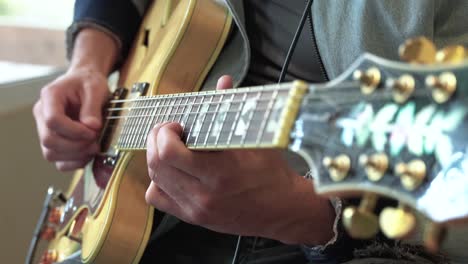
point(95, 50)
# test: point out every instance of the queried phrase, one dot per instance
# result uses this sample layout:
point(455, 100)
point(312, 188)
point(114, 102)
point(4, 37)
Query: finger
point(172, 151)
point(54, 117)
point(52, 140)
point(180, 186)
point(224, 82)
point(160, 200)
point(70, 165)
point(92, 105)
point(152, 155)
point(52, 155)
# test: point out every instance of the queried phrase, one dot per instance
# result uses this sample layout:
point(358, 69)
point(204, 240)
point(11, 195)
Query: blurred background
point(32, 53)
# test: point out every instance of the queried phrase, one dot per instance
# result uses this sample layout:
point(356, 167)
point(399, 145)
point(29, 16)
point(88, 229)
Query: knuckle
point(206, 202)
point(197, 216)
point(165, 152)
point(49, 155)
point(51, 120)
point(48, 140)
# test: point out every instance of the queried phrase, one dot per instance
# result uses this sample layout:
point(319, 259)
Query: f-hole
point(146, 38)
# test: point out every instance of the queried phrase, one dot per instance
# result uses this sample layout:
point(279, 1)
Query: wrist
point(310, 217)
point(94, 50)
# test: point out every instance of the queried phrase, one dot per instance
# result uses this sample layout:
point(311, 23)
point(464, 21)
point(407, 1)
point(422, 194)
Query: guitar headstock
point(395, 130)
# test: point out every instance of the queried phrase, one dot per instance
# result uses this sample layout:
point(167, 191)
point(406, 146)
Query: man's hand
point(69, 117)
point(69, 111)
point(242, 192)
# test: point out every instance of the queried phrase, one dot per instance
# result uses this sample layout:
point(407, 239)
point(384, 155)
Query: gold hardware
point(412, 174)
point(452, 54)
point(369, 79)
point(361, 222)
point(443, 87)
point(376, 165)
point(397, 223)
point(434, 234)
point(55, 215)
point(338, 167)
point(48, 233)
point(403, 88)
point(418, 50)
point(49, 257)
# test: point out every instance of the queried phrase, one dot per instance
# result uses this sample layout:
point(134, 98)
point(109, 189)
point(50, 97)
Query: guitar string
point(114, 109)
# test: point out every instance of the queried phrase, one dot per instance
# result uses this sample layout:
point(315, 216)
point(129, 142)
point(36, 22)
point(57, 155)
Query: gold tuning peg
point(369, 79)
point(443, 86)
point(452, 54)
point(375, 165)
point(49, 257)
point(338, 167)
point(397, 223)
point(418, 50)
point(361, 222)
point(412, 174)
point(434, 234)
point(403, 88)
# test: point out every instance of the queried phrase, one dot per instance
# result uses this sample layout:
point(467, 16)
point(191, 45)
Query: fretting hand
point(246, 192)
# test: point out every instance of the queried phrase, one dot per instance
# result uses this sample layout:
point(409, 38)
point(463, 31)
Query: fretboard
point(254, 117)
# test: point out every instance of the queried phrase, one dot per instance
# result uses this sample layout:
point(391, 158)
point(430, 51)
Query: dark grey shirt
point(271, 25)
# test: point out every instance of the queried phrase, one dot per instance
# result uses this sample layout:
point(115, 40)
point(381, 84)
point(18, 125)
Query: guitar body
point(105, 214)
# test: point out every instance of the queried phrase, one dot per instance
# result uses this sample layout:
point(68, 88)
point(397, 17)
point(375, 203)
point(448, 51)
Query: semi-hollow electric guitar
point(383, 127)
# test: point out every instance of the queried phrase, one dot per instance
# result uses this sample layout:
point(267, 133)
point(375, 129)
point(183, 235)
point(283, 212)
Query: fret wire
point(195, 119)
point(184, 125)
point(224, 119)
point(259, 94)
point(144, 124)
point(182, 113)
point(130, 124)
point(266, 117)
point(131, 138)
point(213, 119)
point(149, 126)
point(236, 120)
point(204, 118)
point(176, 109)
point(159, 115)
point(121, 137)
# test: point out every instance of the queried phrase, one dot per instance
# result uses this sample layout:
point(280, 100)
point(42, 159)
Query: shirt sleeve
point(118, 18)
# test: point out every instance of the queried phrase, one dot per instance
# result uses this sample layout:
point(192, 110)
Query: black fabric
point(118, 16)
point(271, 25)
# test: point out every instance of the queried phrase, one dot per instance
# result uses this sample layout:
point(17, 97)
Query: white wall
point(24, 175)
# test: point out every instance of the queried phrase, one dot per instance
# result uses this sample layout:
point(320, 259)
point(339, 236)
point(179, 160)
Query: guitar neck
point(253, 117)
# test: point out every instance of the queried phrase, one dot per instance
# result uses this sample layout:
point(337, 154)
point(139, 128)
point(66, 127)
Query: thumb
point(91, 110)
point(225, 82)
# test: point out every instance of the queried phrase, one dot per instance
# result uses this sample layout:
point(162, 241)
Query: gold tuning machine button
point(418, 50)
point(443, 86)
point(452, 54)
point(48, 233)
point(403, 88)
point(397, 223)
point(434, 234)
point(55, 215)
point(375, 165)
point(369, 79)
point(338, 167)
point(361, 222)
point(412, 174)
point(49, 257)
